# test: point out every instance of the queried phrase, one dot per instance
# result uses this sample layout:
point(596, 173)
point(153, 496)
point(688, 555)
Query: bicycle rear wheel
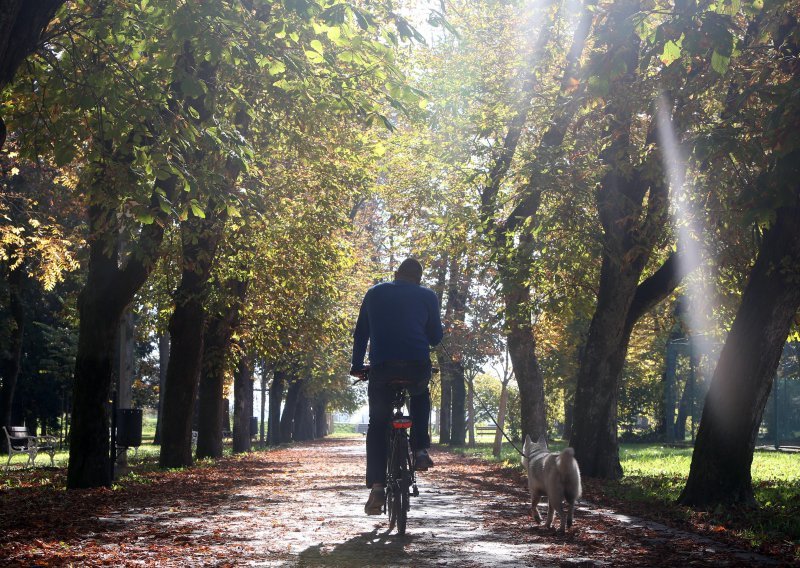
point(402, 478)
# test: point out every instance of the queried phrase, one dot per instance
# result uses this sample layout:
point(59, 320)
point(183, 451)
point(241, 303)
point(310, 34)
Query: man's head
point(410, 270)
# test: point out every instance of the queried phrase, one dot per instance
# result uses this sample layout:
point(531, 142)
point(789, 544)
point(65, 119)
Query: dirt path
point(303, 506)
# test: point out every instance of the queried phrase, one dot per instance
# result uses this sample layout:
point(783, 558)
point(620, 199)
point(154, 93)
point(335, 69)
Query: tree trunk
point(723, 454)
point(290, 410)
point(320, 418)
point(522, 351)
point(263, 413)
point(446, 404)
point(217, 342)
point(471, 412)
point(186, 329)
point(275, 399)
point(242, 404)
point(303, 425)
point(124, 363)
point(211, 388)
point(109, 289)
point(458, 418)
point(163, 362)
point(569, 412)
point(12, 353)
point(684, 408)
point(501, 421)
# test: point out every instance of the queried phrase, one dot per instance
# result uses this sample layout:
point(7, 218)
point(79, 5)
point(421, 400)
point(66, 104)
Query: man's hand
point(360, 372)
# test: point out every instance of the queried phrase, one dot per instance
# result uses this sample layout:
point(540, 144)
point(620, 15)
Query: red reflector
point(401, 423)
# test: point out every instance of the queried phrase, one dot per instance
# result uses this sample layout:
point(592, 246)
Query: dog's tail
point(570, 474)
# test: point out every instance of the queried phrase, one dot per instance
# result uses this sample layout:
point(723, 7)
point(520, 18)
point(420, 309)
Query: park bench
point(485, 430)
point(362, 428)
point(20, 442)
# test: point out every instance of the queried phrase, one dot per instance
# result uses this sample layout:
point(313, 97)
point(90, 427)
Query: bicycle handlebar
point(363, 374)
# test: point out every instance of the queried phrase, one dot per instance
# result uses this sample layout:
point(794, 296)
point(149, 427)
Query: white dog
point(554, 475)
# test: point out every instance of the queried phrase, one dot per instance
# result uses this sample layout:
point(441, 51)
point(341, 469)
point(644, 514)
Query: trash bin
point(253, 426)
point(129, 427)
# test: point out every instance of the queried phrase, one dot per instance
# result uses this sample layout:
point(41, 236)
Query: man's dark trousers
point(380, 411)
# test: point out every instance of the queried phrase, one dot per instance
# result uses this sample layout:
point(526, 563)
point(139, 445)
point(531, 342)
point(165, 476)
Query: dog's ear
point(542, 441)
point(528, 443)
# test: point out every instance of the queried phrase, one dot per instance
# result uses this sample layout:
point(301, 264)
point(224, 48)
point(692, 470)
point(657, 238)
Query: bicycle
point(401, 481)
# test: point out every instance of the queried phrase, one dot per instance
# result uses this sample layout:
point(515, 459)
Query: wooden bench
point(20, 442)
point(485, 430)
point(362, 428)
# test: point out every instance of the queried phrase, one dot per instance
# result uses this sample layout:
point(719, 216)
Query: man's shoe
point(422, 461)
point(377, 497)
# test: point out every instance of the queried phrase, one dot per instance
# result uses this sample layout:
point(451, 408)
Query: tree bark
point(186, 330)
point(320, 418)
point(471, 413)
point(723, 454)
point(163, 362)
point(216, 346)
point(275, 399)
point(242, 404)
point(290, 410)
point(446, 403)
point(109, 289)
point(458, 418)
point(12, 353)
point(501, 420)
point(303, 424)
point(522, 352)
point(263, 414)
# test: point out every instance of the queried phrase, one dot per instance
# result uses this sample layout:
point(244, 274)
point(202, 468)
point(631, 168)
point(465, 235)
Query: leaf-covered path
point(303, 506)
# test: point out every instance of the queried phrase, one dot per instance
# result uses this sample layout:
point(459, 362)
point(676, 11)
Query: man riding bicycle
point(401, 321)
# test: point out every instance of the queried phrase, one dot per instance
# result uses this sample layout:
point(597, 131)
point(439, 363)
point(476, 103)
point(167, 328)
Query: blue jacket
point(401, 321)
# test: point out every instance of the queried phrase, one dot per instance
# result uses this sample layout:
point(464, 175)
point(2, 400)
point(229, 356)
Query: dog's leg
point(570, 511)
point(535, 496)
point(550, 510)
point(561, 517)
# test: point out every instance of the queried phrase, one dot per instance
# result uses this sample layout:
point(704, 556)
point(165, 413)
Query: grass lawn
point(655, 475)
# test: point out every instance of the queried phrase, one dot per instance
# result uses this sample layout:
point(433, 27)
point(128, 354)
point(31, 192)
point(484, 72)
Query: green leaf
point(316, 45)
point(197, 211)
point(277, 68)
point(720, 62)
point(671, 53)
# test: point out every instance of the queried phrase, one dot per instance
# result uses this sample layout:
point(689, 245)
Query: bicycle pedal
point(414, 491)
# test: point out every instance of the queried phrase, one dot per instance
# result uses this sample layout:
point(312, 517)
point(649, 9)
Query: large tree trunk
point(163, 362)
point(108, 291)
point(12, 353)
point(217, 342)
point(522, 351)
point(303, 425)
point(723, 454)
point(275, 399)
point(187, 329)
point(320, 418)
point(290, 410)
point(242, 405)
